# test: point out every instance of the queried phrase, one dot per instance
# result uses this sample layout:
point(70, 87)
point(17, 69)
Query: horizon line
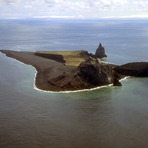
point(80, 17)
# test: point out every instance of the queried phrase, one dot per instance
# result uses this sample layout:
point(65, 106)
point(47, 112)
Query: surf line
point(72, 91)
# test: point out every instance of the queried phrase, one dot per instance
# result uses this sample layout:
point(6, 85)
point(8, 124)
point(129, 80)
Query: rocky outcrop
point(116, 82)
point(136, 69)
point(100, 52)
point(90, 73)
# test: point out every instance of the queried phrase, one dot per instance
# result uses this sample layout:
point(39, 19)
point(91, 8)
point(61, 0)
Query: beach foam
point(74, 91)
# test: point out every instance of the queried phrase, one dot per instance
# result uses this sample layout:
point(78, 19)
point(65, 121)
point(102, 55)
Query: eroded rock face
point(100, 52)
point(136, 69)
point(95, 72)
point(116, 82)
point(88, 74)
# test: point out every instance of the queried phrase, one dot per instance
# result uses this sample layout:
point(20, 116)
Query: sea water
point(109, 117)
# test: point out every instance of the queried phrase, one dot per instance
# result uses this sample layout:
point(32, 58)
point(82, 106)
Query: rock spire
point(100, 52)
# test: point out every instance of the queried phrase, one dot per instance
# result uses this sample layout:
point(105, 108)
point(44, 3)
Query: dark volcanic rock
point(55, 76)
point(137, 69)
point(88, 74)
point(56, 57)
point(116, 82)
point(100, 52)
point(95, 72)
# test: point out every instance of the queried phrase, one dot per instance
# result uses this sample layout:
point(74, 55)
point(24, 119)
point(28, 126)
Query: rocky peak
point(95, 72)
point(100, 52)
point(88, 74)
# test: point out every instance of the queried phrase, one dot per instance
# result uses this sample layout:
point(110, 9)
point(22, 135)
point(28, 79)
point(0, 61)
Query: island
point(76, 70)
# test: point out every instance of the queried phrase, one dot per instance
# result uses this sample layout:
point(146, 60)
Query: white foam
point(124, 78)
point(73, 91)
point(10, 58)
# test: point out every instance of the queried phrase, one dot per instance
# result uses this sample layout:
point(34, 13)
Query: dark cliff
point(54, 75)
point(88, 74)
point(136, 69)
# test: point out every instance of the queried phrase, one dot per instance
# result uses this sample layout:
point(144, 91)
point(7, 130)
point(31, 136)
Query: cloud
point(70, 8)
point(10, 2)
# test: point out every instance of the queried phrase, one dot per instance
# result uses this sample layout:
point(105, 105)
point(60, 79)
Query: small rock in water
point(116, 82)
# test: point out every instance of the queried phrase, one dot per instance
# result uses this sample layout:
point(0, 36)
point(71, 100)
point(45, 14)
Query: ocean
point(108, 117)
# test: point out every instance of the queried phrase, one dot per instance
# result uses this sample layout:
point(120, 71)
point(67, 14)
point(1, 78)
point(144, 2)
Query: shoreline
point(74, 91)
point(48, 91)
point(46, 68)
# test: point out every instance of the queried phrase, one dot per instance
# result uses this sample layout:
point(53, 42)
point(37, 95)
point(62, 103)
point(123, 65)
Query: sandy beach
point(75, 70)
point(46, 68)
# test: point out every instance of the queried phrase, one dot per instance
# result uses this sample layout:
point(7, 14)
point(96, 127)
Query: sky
point(83, 9)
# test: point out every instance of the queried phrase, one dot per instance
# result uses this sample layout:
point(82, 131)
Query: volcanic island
point(76, 70)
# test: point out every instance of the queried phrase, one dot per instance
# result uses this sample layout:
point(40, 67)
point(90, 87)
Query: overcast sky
point(73, 8)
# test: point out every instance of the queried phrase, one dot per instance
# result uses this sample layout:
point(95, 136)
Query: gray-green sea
point(109, 117)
